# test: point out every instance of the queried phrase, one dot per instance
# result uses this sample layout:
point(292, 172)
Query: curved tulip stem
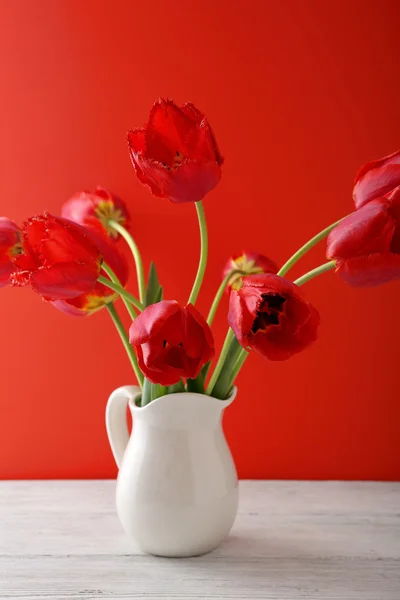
point(121, 291)
point(218, 367)
point(125, 340)
point(315, 272)
point(203, 253)
point(136, 255)
point(304, 249)
point(219, 294)
point(115, 279)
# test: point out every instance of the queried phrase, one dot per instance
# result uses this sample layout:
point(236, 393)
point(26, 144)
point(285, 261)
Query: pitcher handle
point(116, 423)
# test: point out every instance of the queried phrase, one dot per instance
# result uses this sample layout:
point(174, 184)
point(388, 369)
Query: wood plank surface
point(315, 540)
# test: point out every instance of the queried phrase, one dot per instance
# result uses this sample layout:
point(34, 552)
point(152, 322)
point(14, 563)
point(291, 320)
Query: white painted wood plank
point(281, 578)
point(322, 540)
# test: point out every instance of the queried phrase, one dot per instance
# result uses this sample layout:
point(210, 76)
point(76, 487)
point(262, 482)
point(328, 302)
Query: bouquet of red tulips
point(73, 261)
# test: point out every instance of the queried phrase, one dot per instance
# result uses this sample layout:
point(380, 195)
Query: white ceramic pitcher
point(177, 488)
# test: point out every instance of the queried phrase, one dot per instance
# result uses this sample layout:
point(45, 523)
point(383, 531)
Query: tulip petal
point(149, 172)
point(5, 273)
point(151, 320)
point(69, 309)
point(167, 130)
point(240, 318)
point(370, 270)
point(162, 375)
point(64, 238)
point(279, 344)
point(200, 145)
point(9, 243)
point(368, 230)
point(64, 281)
point(376, 178)
point(198, 337)
point(192, 181)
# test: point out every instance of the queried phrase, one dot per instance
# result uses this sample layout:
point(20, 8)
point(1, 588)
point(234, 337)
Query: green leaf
point(195, 386)
point(198, 385)
point(154, 289)
point(176, 388)
point(159, 295)
point(224, 382)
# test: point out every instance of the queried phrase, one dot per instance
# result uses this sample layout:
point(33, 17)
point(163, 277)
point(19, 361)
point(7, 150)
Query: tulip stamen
point(177, 160)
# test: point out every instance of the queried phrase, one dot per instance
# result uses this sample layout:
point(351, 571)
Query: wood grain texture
point(316, 540)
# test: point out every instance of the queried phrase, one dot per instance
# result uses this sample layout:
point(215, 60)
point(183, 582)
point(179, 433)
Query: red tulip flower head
point(59, 259)
point(270, 315)
point(377, 178)
point(171, 342)
point(100, 295)
point(94, 210)
point(10, 247)
point(249, 263)
point(365, 246)
point(176, 154)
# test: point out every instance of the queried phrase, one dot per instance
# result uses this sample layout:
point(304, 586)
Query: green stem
point(124, 337)
point(219, 295)
point(315, 272)
point(146, 392)
point(239, 364)
point(203, 253)
point(297, 255)
point(136, 255)
point(107, 269)
point(220, 363)
point(121, 291)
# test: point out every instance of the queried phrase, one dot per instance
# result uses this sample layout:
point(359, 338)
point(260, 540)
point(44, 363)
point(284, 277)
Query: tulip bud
point(248, 263)
point(94, 210)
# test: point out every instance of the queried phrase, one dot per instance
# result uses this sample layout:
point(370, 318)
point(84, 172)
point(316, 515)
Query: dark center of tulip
point(178, 158)
point(175, 162)
point(167, 345)
point(268, 314)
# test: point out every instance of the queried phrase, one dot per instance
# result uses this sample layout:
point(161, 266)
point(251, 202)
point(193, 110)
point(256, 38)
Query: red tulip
point(366, 245)
point(171, 342)
point(249, 263)
point(377, 178)
point(176, 154)
point(10, 247)
point(93, 210)
point(270, 315)
point(59, 259)
point(99, 295)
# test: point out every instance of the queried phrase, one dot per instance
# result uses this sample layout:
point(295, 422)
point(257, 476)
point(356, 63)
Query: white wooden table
point(322, 540)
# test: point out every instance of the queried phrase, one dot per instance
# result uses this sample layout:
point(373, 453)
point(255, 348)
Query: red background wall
point(300, 93)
